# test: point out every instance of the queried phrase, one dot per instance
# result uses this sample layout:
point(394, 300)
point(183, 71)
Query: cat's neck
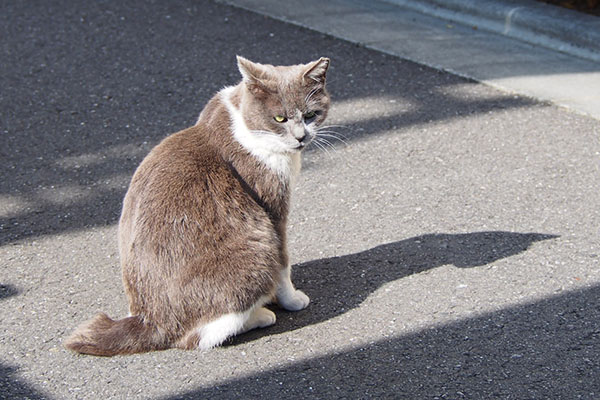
point(285, 165)
point(267, 176)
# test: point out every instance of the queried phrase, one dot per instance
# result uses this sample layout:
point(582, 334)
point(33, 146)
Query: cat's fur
point(202, 235)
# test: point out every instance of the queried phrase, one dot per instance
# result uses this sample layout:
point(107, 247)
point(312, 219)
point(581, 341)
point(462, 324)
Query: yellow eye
point(280, 118)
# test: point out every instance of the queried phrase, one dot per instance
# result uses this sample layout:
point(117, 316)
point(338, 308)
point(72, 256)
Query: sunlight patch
point(11, 206)
point(369, 108)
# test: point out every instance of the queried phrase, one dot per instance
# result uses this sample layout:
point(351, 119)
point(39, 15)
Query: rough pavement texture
point(450, 248)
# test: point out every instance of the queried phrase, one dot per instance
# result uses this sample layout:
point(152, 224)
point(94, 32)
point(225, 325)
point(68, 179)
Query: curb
point(530, 21)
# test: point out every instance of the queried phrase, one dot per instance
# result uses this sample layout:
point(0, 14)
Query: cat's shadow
point(339, 284)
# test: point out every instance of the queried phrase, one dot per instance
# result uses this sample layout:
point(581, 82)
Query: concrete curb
point(530, 21)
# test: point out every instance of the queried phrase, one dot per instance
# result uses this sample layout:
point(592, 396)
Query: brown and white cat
point(202, 235)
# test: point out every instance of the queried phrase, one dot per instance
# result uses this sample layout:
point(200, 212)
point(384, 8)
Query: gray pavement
point(450, 247)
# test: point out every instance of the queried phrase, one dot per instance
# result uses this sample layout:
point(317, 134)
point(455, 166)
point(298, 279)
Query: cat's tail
point(102, 336)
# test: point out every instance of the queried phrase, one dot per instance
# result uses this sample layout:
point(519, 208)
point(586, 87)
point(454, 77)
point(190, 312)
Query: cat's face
point(284, 106)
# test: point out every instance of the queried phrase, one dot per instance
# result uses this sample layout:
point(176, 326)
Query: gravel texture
point(450, 247)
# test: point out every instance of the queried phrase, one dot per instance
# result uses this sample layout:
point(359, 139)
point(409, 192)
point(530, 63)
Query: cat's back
point(193, 155)
point(185, 177)
point(181, 160)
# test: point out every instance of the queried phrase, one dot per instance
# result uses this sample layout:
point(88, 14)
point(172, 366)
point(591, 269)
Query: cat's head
point(284, 104)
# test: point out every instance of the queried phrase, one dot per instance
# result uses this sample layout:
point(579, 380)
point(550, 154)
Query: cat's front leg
point(288, 296)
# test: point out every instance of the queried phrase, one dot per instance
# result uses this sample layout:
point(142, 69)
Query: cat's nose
point(301, 135)
point(301, 138)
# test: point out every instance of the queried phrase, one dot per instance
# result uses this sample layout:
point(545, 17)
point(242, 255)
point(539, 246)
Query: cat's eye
point(309, 116)
point(280, 118)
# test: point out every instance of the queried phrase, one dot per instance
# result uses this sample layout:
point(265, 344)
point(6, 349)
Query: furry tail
point(102, 336)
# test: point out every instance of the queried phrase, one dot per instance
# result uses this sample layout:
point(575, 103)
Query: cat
point(202, 233)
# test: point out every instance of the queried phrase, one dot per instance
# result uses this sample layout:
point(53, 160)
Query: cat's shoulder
point(184, 155)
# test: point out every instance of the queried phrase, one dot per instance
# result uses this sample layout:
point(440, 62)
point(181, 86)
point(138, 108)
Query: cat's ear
point(316, 71)
point(254, 75)
point(250, 71)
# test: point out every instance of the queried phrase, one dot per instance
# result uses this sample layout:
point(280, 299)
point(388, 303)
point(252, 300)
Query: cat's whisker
point(322, 131)
point(327, 143)
point(321, 147)
point(332, 131)
point(327, 135)
point(332, 126)
point(328, 129)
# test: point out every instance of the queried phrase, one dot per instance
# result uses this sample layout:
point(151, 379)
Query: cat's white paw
point(264, 317)
point(260, 318)
point(294, 301)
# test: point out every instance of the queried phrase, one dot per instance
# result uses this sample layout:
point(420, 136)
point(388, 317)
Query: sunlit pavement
point(448, 240)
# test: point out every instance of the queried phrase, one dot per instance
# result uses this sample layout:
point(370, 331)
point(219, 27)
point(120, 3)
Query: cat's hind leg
point(261, 317)
point(215, 332)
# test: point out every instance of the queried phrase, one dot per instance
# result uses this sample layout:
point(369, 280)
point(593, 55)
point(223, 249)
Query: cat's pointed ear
point(316, 70)
point(248, 69)
point(254, 75)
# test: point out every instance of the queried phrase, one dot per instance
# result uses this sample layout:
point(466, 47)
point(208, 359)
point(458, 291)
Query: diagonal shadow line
point(545, 349)
point(102, 209)
point(339, 284)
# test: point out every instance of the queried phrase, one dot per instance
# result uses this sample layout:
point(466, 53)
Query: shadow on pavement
point(339, 284)
point(547, 349)
point(11, 387)
point(89, 89)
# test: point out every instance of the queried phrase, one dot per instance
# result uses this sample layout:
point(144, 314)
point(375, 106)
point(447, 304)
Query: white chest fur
point(267, 148)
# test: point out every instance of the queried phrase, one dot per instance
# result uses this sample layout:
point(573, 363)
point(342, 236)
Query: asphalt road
point(450, 248)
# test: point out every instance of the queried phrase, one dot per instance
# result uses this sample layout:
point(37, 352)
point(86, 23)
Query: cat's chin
point(299, 149)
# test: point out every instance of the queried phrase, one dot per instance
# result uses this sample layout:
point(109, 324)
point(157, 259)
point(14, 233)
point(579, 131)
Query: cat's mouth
point(304, 142)
point(302, 145)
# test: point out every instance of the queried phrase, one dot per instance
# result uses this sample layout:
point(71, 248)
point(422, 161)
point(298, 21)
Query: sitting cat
point(202, 235)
